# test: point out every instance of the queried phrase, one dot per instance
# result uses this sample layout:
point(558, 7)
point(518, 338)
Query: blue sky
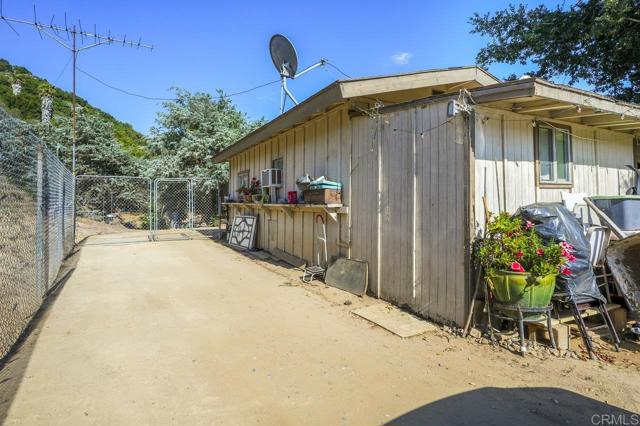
point(204, 45)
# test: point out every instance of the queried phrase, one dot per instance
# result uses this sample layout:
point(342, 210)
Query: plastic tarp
point(555, 224)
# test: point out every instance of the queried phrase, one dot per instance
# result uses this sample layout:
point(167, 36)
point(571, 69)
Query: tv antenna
point(71, 33)
point(285, 59)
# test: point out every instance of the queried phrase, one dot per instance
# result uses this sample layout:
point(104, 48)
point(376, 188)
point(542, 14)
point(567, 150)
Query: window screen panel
point(545, 152)
point(562, 155)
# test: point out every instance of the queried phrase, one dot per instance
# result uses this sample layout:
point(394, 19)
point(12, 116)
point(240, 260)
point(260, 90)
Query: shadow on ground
point(14, 365)
point(516, 406)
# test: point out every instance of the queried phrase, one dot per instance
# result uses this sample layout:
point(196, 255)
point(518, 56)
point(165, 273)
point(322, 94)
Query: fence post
point(41, 276)
point(73, 208)
point(63, 209)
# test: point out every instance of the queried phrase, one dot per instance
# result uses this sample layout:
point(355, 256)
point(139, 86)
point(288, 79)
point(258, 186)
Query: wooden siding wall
point(321, 146)
point(505, 167)
point(364, 197)
point(410, 209)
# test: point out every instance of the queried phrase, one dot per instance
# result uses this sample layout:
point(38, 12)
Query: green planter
point(520, 288)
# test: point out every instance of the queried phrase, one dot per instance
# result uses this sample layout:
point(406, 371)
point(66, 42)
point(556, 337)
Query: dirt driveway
point(193, 333)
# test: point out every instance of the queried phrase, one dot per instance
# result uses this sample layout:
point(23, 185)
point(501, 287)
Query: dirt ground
point(87, 227)
point(189, 332)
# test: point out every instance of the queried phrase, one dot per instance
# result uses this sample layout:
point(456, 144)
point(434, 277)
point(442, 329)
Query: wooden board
point(348, 275)
point(289, 258)
point(622, 258)
point(396, 321)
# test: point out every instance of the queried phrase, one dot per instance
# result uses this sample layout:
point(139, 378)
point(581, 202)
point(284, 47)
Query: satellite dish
point(283, 55)
point(285, 59)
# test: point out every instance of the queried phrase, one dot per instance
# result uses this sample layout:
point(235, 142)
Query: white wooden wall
point(407, 191)
point(321, 146)
point(505, 168)
point(409, 209)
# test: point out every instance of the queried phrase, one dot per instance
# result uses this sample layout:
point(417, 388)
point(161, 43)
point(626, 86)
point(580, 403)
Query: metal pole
point(74, 53)
point(283, 98)
point(41, 276)
point(151, 218)
point(193, 202)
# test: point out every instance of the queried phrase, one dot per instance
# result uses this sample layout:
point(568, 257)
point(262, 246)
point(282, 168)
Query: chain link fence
point(38, 228)
point(36, 225)
point(205, 203)
point(112, 204)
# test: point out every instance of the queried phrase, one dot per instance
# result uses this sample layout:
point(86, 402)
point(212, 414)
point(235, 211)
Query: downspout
point(379, 225)
point(469, 192)
point(596, 160)
point(504, 162)
point(414, 205)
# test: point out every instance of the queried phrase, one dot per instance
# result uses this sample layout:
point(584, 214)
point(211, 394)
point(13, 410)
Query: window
point(243, 179)
point(554, 155)
point(278, 163)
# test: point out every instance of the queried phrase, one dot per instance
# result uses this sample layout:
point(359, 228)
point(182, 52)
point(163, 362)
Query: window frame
point(555, 183)
point(243, 172)
point(273, 166)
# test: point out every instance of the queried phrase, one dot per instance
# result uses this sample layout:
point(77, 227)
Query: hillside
point(26, 106)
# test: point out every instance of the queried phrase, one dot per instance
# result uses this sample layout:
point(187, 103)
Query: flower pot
point(247, 198)
point(520, 288)
point(257, 198)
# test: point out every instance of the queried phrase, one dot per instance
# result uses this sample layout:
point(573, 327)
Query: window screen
point(554, 155)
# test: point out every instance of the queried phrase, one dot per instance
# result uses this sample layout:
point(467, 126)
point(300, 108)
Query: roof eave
point(315, 104)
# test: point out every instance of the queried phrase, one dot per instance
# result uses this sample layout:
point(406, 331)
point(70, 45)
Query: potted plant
point(519, 268)
point(244, 194)
point(255, 190)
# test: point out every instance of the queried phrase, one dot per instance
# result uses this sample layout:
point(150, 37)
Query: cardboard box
point(323, 196)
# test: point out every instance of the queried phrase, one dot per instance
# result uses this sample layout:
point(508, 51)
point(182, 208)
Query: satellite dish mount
point(285, 59)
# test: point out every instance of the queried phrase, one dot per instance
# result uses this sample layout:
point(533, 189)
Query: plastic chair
point(574, 202)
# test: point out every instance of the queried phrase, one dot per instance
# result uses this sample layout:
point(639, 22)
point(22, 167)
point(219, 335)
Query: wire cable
point(152, 98)
point(61, 72)
point(337, 69)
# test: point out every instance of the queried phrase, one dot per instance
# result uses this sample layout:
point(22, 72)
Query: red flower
point(540, 252)
point(565, 271)
point(570, 257)
point(517, 267)
point(565, 245)
point(519, 254)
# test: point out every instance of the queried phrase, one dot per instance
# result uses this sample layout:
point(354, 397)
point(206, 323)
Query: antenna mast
point(54, 31)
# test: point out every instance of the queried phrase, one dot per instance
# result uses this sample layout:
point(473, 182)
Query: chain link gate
point(185, 204)
point(120, 204)
point(113, 204)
